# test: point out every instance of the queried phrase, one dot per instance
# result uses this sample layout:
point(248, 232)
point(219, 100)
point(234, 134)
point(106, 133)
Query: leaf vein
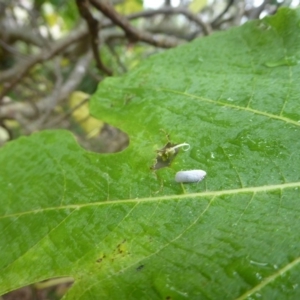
point(269, 279)
point(248, 109)
point(257, 189)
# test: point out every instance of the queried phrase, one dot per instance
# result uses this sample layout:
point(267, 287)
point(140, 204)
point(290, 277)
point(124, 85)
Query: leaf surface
point(123, 231)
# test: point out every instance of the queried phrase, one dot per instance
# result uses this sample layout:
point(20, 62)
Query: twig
point(115, 54)
point(132, 33)
point(216, 20)
point(255, 12)
point(12, 50)
point(23, 109)
point(67, 114)
point(16, 74)
point(172, 11)
point(14, 31)
point(93, 26)
point(55, 94)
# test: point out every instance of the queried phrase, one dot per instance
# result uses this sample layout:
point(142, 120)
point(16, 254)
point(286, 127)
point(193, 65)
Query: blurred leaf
point(52, 19)
point(81, 114)
point(4, 135)
point(63, 12)
point(123, 231)
point(196, 5)
point(129, 7)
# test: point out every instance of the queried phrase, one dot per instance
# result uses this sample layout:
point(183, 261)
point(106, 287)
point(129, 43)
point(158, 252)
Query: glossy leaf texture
point(124, 231)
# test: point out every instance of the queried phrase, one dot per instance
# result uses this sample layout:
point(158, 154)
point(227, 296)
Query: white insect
point(190, 176)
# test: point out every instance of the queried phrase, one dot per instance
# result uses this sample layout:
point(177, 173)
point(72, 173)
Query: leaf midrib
point(264, 188)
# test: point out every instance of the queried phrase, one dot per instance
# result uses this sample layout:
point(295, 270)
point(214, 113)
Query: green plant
point(124, 231)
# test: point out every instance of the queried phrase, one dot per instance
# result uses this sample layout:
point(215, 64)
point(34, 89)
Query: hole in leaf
point(54, 288)
point(92, 134)
point(166, 155)
point(108, 139)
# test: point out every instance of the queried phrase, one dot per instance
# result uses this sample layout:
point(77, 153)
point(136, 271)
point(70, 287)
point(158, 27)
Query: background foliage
point(46, 54)
point(117, 227)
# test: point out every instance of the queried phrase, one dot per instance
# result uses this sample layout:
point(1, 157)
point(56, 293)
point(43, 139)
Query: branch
point(12, 31)
point(24, 110)
point(15, 75)
point(216, 20)
point(172, 11)
point(132, 33)
point(93, 26)
point(255, 12)
point(116, 56)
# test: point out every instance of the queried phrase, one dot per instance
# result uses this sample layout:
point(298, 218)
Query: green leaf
point(196, 5)
point(129, 6)
point(123, 231)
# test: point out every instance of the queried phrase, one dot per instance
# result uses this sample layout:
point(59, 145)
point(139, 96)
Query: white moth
point(190, 176)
